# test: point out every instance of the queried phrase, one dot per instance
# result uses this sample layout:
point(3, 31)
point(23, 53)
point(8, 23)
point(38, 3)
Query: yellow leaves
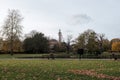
point(116, 46)
point(17, 46)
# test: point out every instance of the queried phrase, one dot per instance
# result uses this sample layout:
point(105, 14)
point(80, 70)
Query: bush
point(56, 56)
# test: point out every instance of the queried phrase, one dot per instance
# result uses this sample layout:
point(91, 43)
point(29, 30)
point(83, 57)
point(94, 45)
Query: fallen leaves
point(93, 73)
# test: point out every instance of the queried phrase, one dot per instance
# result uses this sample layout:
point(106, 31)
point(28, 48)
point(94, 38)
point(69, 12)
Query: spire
point(60, 36)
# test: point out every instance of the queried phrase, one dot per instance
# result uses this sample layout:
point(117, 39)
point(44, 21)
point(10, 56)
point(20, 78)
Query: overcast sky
point(71, 16)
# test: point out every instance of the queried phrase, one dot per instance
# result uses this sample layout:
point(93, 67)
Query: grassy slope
point(55, 69)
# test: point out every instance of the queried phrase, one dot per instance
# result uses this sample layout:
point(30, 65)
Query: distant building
point(52, 43)
point(55, 43)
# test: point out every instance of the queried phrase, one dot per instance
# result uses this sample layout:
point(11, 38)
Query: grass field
point(59, 69)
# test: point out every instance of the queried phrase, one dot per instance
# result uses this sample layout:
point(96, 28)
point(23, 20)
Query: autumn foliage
point(116, 46)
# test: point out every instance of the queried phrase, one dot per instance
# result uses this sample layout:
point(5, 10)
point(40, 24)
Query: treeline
point(37, 42)
point(92, 42)
point(34, 42)
point(96, 43)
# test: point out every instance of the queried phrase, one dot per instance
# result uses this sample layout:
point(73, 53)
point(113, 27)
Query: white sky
point(71, 16)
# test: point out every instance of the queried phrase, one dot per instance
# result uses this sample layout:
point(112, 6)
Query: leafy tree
point(37, 43)
point(92, 42)
point(81, 41)
point(116, 46)
point(87, 41)
point(17, 46)
point(106, 45)
point(12, 27)
point(28, 44)
point(114, 40)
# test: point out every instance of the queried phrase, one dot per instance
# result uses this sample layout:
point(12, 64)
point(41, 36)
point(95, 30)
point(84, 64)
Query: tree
point(12, 27)
point(17, 46)
point(28, 45)
point(87, 41)
point(69, 38)
point(114, 41)
point(63, 47)
point(116, 46)
point(37, 43)
point(100, 41)
point(92, 42)
point(104, 44)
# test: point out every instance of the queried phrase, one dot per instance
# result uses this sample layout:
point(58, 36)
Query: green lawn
point(59, 69)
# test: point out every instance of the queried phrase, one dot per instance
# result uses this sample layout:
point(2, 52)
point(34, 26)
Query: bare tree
point(12, 27)
point(69, 38)
point(100, 41)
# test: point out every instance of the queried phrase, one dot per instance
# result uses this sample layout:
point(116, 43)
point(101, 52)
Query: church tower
point(60, 36)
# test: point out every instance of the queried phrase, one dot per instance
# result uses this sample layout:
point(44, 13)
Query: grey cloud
point(80, 19)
